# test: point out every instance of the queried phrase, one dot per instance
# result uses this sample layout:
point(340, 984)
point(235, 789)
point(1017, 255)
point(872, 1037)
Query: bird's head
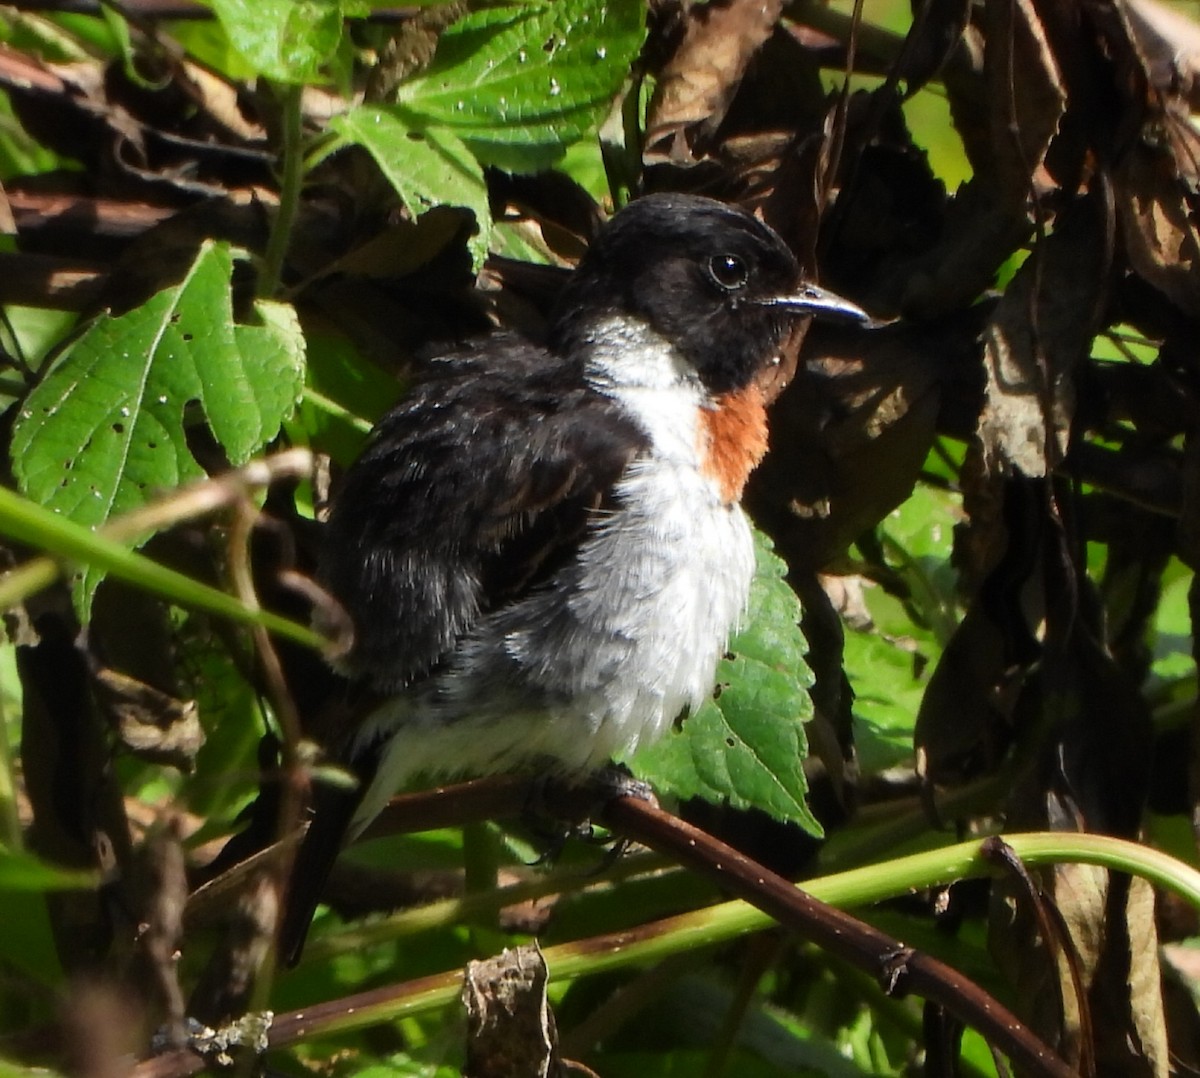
point(717, 284)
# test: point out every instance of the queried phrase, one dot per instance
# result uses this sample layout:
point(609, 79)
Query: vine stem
point(29, 523)
point(291, 160)
point(765, 900)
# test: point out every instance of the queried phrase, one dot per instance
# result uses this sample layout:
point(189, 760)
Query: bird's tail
point(339, 814)
point(333, 809)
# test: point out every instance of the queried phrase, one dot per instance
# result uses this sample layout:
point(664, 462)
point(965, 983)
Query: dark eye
point(728, 271)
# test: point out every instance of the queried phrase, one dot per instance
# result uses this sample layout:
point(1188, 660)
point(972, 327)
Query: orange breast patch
point(733, 437)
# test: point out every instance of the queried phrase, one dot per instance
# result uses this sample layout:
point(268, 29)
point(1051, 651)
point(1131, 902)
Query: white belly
point(651, 602)
point(606, 656)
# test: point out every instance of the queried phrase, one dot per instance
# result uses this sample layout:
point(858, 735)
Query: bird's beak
point(808, 299)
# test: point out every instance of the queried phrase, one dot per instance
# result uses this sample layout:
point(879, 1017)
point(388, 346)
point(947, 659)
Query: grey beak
point(820, 303)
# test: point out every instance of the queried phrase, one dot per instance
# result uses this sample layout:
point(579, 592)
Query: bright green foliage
point(746, 745)
point(519, 84)
point(889, 663)
point(284, 40)
point(511, 87)
point(426, 167)
point(105, 429)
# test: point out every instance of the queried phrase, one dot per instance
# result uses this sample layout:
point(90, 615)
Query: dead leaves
point(697, 85)
point(1040, 333)
point(510, 1027)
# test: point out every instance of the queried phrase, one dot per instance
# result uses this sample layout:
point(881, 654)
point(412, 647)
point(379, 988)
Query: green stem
point(719, 924)
point(20, 519)
point(331, 407)
point(854, 887)
point(865, 886)
point(291, 161)
point(11, 835)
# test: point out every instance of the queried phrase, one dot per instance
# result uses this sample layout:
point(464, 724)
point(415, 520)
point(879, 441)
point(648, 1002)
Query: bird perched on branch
point(541, 548)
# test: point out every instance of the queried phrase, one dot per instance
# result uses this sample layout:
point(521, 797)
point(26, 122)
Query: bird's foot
point(561, 807)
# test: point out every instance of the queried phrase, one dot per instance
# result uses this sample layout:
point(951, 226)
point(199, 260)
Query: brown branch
point(899, 968)
point(501, 797)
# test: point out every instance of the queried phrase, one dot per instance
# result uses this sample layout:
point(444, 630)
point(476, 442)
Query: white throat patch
point(630, 362)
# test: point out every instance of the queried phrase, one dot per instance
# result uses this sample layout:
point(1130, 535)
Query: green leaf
point(746, 746)
point(284, 40)
point(20, 871)
point(105, 429)
point(889, 680)
point(1173, 658)
point(427, 168)
point(519, 84)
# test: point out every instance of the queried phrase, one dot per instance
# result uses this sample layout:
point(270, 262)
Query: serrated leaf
point(518, 84)
point(746, 746)
point(105, 429)
point(284, 40)
point(427, 168)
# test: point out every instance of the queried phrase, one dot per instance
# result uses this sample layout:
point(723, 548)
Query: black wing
point(470, 492)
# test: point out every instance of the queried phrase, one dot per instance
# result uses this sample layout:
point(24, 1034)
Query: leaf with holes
point(746, 746)
point(107, 428)
point(427, 168)
point(519, 84)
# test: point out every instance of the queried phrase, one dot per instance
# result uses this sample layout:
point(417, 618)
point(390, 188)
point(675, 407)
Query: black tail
point(333, 809)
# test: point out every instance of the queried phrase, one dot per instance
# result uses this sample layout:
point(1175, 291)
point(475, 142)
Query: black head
point(717, 283)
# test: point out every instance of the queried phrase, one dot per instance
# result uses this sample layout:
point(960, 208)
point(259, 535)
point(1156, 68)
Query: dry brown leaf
point(510, 1027)
point(1112, 929)
point(1027, 96)
point(696, 86)
point(938, 26)
point(1145, 999)
point(1168, 44)
point(850, 434)
point(1041, 330)
point(964, 725)
point(150, 724)
point(1007, 108)
point(1158, 224)
point(1080, 894)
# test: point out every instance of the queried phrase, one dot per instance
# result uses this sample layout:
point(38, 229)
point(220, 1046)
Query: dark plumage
point(541, 548)
point(523, 452)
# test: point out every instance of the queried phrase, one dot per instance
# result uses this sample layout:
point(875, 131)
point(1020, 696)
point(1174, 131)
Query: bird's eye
point(728, 271)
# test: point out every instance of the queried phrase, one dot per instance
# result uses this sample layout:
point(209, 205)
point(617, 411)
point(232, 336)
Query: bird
point(542, 548)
